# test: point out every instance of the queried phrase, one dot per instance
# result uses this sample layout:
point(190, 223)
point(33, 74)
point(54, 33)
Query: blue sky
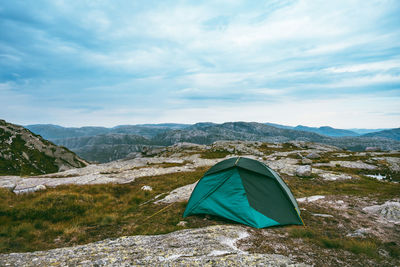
point(76, 63)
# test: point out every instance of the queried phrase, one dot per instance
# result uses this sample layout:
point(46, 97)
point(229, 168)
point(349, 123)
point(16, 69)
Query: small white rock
point(322, 215)
point(147, 188)
point(310, 199)
point(313, 155)
point(306, 161)
point(40, 187)
point(304, 171)
point(182, 223)
point(359, 233)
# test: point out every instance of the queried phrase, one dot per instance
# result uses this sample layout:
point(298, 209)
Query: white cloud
point(268, 91)
point(373, 66)
point(353, 112)
point(364, 81)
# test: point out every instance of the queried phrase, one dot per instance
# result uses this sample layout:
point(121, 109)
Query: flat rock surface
point(393, 162)
point(211, 246)
point(180, 194)
point(353, 164)
point(119, 172)
point(331, 176)
point(389, 211)
point(310, 199)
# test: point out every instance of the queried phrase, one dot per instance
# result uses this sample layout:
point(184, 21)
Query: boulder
point(313, 155)
point(30, 189)
point(389, 211)
point(178, 195)
point(306, 161)
point(40, 187)
point(304, 171)
point(361, 233)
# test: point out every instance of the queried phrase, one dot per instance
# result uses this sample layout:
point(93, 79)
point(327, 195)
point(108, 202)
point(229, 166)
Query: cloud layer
point(123, 62)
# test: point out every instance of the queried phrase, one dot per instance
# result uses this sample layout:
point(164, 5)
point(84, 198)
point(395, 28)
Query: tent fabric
point(246, 191)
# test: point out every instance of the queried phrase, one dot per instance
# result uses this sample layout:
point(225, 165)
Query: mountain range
point(51, 131)
point(106, 144)
point(327, 130)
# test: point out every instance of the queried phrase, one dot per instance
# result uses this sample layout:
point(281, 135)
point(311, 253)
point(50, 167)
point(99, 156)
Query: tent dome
point(246, 191)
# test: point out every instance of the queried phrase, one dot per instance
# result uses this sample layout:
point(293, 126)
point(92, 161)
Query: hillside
point(251, 131)
point(105, 148)
point(326, 130)
point(362, 131)
point(52, 132)
point(25, 153)
point(390, 134)
point(323, 130)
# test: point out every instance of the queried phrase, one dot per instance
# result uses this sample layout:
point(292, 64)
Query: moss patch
point(214, 154)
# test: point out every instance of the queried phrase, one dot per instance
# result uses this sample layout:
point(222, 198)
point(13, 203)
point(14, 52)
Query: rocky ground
point(347, 222)
point(214, 245)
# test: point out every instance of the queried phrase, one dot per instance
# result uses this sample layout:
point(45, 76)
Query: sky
point(107, 63)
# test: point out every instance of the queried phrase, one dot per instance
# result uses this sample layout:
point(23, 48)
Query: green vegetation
point(383, 170)
point(19, 155)
point(22, 158)
point(70, 215)
point(214, 154)
point(268, 149)
point(168, 164)
point(364, 186)
point(331, 240)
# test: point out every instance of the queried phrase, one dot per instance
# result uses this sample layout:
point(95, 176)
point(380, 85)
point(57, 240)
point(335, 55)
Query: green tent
point(246, 191)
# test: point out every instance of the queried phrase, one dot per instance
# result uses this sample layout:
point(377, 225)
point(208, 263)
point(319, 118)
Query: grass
point(324, 240)
point(71, 215)
point(383, 170)
point(352, 156)
point(267, 149)
point(214, 154)
point(330, 240)
point(168, 164)
point(361, 187)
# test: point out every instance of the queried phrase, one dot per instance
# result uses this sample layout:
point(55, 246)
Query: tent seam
point(208, 194)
